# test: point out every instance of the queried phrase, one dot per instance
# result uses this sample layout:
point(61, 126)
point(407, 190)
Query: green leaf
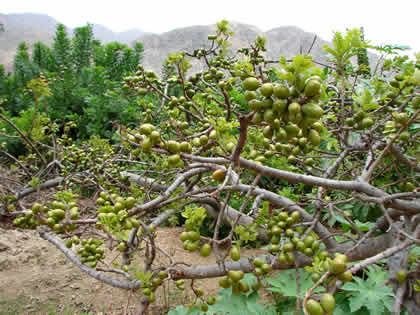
point(366, 100)
point(239, 304)
point(370, 293)
point(181, 310)
point(285, 283)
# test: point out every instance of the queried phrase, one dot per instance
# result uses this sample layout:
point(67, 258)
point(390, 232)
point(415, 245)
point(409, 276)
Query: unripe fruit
point(266, 268)
point(213, 135)
point(290, 258)
point(328, 302)
point(184, 236)
point(295, 216)
point(250, 95)
point(162, 274)
point(235, 253)
point(282, 259)
point(315, 277)
point(314, 137)
point(205, 250)
point(258, 262)
point(281, 91)
point(294, 108)
point(193, 235)
point(155, 136)
point(349, 122)
point(251, 84)
point(312, 110)
point(204, 140)
point(199, 292)
point(235, 275)
point(204, 307)
point(156, 282)
point(230, 146)
point(417, 76)
point(36, 207)
point(338, 264)
point(151, 298)
point(196, 142)
point(185, 147)
point(346, 276)
point(341, 257)
point(280, 106)
point(266, 89)
point(174, 159)
point(211, 300)
point(244, 287)
point(404, 136)
point(401, 276)
point(255, 104)
point(269, 115)
point(218, 175)
point(121, 246)
point(146, 129)
point(308, 252)
point(367, 123)
point(173, 146)
point(192, 245)
point(312, 88)
point(288, 247)
point(313, 307)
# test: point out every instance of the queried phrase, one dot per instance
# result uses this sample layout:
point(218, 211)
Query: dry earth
point(36, 278)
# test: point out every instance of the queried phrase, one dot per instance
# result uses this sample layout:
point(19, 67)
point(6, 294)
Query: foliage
point(317, 167)
point(285, 283)
point(370, 293)
point(229, 303)
point(83, 76)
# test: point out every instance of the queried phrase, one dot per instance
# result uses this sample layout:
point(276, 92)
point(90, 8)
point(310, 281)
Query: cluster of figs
point(54, 214)
point(290, 115)
point(113, 209)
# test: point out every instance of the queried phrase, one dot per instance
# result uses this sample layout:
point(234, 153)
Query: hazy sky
point(385, 21)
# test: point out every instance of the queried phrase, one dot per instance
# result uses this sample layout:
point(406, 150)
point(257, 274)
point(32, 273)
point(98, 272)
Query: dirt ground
point(36, 278)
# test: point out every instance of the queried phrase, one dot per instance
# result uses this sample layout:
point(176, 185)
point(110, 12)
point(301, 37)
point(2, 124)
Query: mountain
point(282, 41)
point(106, 35)
point(32, 27)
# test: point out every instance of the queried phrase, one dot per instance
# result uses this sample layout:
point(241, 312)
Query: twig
point(25, 138)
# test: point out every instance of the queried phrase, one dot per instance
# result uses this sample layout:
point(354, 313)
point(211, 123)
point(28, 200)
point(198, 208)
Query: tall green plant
point(82, 47)
point(61, 49)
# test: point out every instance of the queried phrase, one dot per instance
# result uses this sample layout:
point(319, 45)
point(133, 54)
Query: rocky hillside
point(282, 41)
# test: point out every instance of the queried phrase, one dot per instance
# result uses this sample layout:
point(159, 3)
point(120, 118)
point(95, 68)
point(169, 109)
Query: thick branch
point(144, 181)
point(409, 207)
point(244, 264)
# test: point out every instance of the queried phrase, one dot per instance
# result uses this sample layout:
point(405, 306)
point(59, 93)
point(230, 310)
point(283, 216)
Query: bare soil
point(36, 278)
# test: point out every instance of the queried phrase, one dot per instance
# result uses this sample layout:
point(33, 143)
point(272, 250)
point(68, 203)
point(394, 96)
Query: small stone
point(3, 247)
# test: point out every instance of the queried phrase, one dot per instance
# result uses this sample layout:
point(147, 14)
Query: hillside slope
point(282, 41)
